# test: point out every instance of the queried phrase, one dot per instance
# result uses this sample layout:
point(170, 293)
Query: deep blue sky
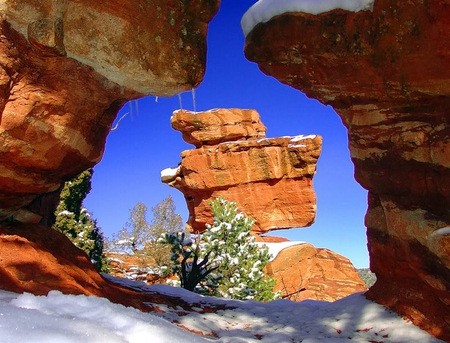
point(144, 144)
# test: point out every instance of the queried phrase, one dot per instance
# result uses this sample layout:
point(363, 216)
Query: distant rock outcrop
point(305, 272)
point(301, 270)
point(270, 179)
point(387, 74)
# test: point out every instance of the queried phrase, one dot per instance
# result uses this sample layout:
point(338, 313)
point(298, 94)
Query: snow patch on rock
point(264, 10)
point(275, 248)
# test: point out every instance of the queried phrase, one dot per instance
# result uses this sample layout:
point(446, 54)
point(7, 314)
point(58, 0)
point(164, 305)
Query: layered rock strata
point(386, 72)
point(66, 68)
point(155, 47)
point(305, 272)
point(270, 179)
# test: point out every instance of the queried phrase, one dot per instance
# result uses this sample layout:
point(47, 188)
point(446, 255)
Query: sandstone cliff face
point(155, 47)
point(67, 67)
point(270, 179)
point(305, 272)
point(387, 75)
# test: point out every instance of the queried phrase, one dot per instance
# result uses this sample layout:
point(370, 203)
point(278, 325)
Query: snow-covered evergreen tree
point(226, 260)
point(73, 220)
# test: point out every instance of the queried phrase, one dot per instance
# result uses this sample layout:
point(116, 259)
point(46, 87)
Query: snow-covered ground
point(58, 318)
point(264, 10)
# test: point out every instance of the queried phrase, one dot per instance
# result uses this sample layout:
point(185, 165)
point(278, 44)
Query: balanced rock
point(217, 126)
point(386, 72)
point(305, 272)
point(270, 179)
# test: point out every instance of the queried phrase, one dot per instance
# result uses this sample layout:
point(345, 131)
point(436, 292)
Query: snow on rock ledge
point(264, 10)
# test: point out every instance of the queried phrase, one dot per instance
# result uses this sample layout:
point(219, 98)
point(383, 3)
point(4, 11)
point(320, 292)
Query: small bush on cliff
point(224, 260)
point(73, 220)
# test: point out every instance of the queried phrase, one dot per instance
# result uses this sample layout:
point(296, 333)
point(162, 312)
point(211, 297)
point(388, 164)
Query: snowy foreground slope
point(58, 318)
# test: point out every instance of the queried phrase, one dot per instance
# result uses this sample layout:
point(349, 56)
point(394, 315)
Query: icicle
point(136, 106)
point(120, 119)
point(156, 99)
point(193, 100)
point(179, 99)
point(130, 104)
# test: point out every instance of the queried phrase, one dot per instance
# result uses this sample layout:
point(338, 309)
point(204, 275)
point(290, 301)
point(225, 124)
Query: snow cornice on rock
point(264, 10)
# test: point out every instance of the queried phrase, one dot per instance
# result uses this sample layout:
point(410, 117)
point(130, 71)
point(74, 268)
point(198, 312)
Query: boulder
point(270, 179)
point(305, 272)
point(386, 73)
point(218, 125)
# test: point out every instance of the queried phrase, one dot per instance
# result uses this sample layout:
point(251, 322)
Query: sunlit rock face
point(67, 67)
point(305, 272)
point(386, 72)
point(153, 47)
point(270, 179)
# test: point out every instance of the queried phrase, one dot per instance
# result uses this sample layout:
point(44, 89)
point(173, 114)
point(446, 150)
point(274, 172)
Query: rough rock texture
point(305, 272)
point(153, 47)
point(37, 260)
point(270, 179)
point(387, 75)
point(217, 126)
point(66, 68)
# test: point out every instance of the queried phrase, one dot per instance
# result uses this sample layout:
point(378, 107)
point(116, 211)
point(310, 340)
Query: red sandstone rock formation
point(305, 272)
point(270, 179)
point(387, 74)
point(155, 47)
point(66, 68)
point(323, 274)
point(37, 259)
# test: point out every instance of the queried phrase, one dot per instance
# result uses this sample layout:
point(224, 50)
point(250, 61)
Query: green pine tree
point(225, 260)
point(73, 220)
